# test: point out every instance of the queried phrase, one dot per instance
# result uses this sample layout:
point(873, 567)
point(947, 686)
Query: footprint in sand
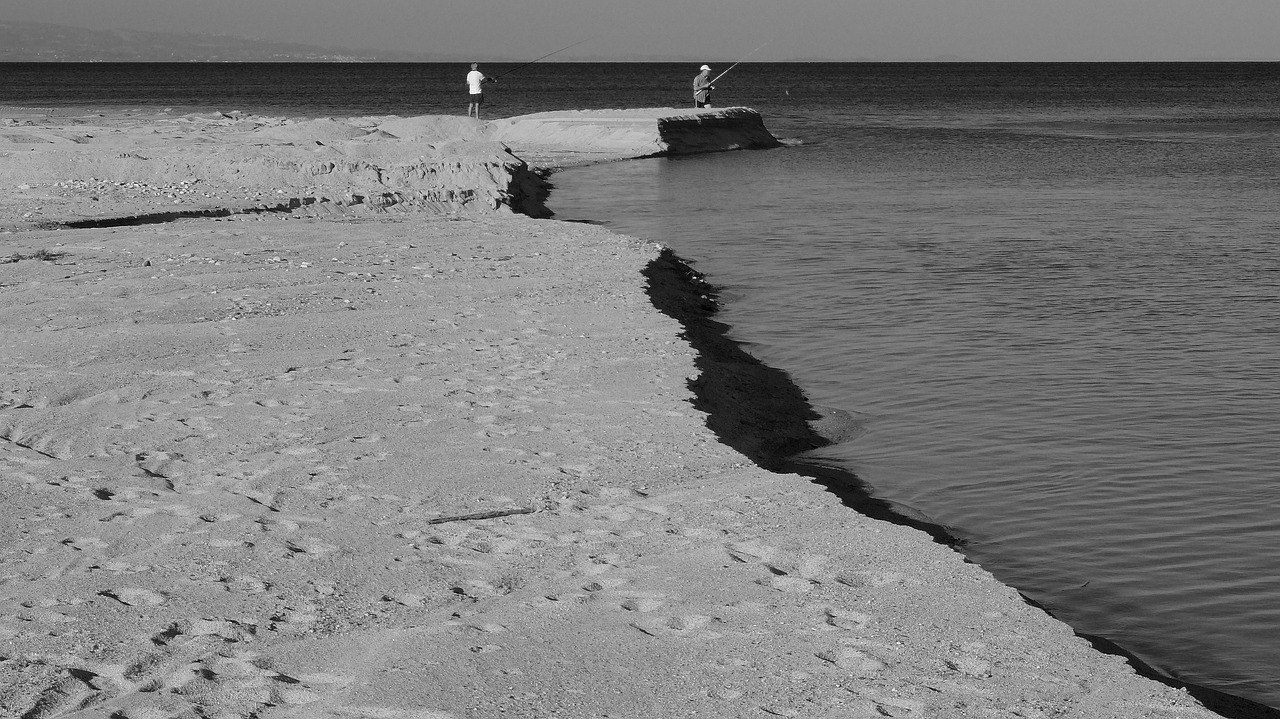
point(603, 584)
point(200, 423)
point(786, 583)
point(406, 599)
point(751, 552)
point(162, 465)
point(643, 602)
point(846, 619)
point(690, 626)
point(192, 668)
point(725, 693)
point(311, 546)
point(69, 693)
point(597, 564)
point(565, 600)
point(474, 628)
point(85, 544)
point(42, 615)
point(245, 584)
point(294, 620)
point(239, 683)
point(479, 589)
point(852, 660)
point(874, 579)
point(970, 666)
point(135, 596)
point(871, 704)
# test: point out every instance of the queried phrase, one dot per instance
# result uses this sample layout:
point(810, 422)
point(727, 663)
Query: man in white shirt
point(475, 79)
point(702, 87)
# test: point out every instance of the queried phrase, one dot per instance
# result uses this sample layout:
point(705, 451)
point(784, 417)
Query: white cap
point(705, 67)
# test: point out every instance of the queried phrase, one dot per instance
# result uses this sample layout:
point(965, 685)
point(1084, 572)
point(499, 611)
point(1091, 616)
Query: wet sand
point(391, 462)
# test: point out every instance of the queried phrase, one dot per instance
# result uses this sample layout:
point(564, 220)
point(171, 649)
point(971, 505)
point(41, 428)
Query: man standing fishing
point(475, 82)
point(702, 87)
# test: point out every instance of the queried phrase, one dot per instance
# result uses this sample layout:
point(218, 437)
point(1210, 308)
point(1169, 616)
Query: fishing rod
point(544, 57)
point(726, 72)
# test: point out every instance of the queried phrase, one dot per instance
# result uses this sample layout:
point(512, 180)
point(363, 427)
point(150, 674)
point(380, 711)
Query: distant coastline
point(45, 42)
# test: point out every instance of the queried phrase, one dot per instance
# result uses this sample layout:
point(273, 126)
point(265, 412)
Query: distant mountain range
point(42, 42)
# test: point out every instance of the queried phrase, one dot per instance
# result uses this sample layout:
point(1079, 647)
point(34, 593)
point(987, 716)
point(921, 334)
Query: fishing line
point(527, 64)
point(726, 72)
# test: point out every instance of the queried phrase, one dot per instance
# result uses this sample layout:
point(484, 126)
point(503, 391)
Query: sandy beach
point(339, 432)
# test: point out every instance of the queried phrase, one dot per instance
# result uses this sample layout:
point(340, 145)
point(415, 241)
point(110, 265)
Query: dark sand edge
point(759, 411)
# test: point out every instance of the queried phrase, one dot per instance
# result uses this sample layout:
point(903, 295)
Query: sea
point(1047, 294)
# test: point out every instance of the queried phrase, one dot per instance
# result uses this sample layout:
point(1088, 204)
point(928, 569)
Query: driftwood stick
point(481, 515)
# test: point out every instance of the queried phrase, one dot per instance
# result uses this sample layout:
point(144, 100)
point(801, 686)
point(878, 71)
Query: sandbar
point(429, 458)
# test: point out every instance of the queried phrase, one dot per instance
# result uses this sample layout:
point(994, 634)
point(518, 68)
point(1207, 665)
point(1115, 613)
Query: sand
point(438, 464)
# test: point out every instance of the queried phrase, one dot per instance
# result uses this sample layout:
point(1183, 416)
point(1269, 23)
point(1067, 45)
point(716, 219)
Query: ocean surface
point(1050, 293)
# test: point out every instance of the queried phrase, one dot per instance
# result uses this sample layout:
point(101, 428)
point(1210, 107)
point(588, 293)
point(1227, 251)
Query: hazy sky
point(716, 30)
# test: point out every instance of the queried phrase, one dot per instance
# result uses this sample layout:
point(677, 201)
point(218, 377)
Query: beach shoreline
point(416, 461)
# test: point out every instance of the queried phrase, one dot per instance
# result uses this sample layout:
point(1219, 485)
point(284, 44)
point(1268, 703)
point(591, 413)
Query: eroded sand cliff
point(74, 168)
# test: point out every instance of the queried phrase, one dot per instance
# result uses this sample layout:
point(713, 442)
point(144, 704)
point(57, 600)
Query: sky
point(715, 30)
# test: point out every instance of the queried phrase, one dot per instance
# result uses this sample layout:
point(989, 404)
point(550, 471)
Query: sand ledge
point(232, 437)
point(103, 170)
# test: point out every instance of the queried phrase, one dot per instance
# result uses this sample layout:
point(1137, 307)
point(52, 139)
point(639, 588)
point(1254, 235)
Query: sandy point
point(427, 461)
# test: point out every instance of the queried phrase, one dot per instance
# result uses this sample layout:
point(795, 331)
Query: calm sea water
point(1050, 292)
point(1053, 295)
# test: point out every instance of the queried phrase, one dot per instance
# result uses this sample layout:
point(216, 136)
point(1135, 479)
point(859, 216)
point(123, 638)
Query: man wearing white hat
point(702, 88)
